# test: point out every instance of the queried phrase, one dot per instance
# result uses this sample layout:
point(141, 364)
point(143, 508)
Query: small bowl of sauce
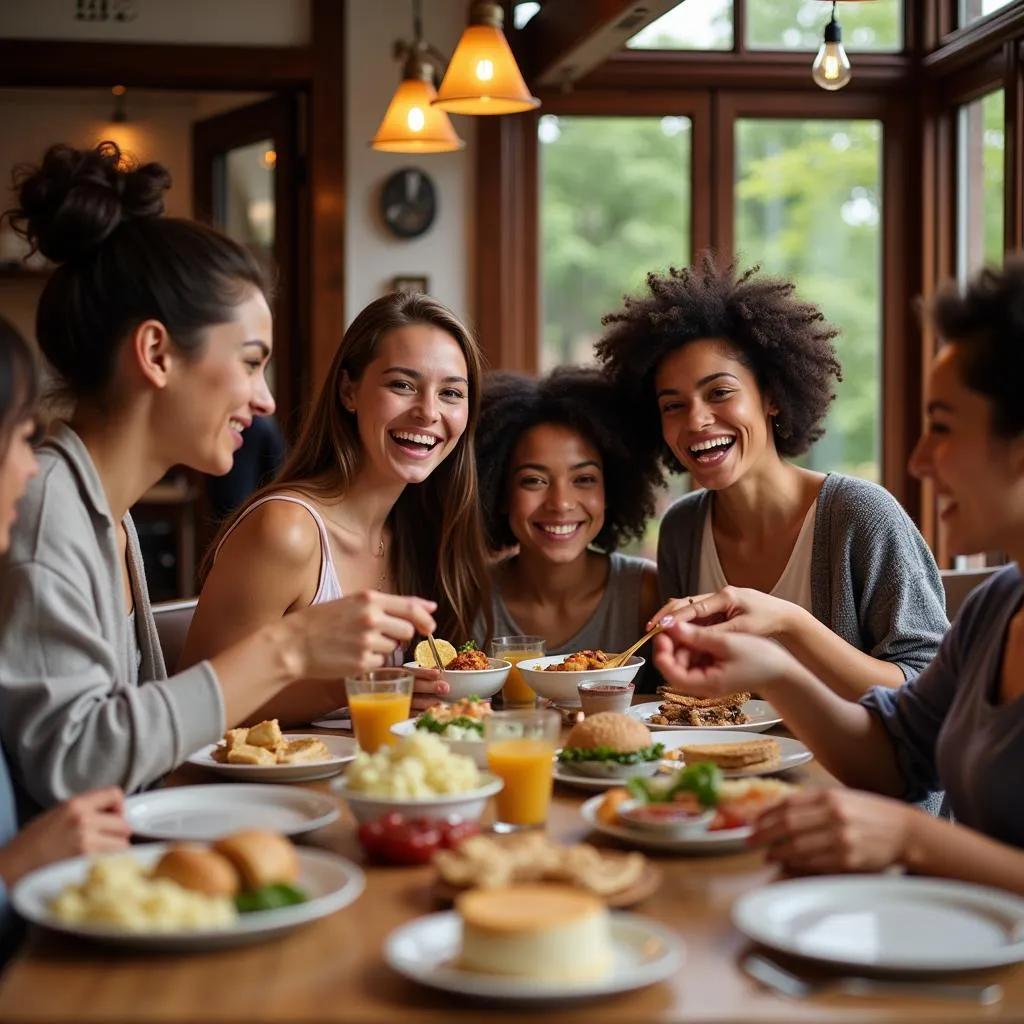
point(597, 696)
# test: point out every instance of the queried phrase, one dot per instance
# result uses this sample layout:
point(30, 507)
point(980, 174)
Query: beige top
point(794, 585)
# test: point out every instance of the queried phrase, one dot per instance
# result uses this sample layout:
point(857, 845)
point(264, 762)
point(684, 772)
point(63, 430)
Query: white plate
point(204, 813)
point(342, 750)
point(792, 754)
point(729, 840)
point(891, 923)
point(761, 714)
point(330, 882)
point(425, 949)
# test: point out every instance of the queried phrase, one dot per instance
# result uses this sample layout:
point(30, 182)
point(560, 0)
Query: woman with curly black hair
point(730, 376)
point(562, 482)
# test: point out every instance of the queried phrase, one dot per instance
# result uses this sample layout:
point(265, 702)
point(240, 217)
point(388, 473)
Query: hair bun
point(76, 198)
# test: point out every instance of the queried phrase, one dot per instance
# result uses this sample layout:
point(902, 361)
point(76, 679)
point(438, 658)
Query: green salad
point(704, 780)
point(270, 897)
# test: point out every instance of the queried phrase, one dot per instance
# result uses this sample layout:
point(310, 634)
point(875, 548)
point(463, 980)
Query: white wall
point(32, 119)
point(237, 22)
point(373, 256)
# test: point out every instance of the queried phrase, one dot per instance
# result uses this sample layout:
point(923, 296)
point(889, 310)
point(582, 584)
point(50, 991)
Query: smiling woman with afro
point(729, 375)
point(564, 482)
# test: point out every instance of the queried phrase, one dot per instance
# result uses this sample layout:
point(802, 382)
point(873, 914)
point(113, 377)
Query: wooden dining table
point(333, 969)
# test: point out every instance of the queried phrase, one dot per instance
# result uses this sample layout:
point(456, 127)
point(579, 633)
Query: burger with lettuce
point(612, 746)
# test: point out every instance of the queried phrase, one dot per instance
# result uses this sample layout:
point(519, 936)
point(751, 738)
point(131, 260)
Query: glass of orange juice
point(520, 748)
point(516, 692)
point(378, 700)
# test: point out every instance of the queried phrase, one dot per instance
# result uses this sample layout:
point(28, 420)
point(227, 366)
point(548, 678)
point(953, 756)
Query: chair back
point(173, 619)
point(958, 583)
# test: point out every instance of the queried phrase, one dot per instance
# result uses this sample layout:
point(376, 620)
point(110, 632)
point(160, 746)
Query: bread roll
point(198, 869)
point(260, 857)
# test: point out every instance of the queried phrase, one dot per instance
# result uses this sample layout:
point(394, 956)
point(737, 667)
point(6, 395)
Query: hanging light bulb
point(482, 76)
point(831, 68)
point(412, 124)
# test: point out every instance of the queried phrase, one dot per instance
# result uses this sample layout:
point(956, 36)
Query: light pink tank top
point(328, 588)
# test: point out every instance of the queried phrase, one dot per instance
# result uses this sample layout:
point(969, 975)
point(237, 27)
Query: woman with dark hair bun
point(562, 482)
point(93, 822)
point(731, 376)
point(959, 725)
point(159, 331)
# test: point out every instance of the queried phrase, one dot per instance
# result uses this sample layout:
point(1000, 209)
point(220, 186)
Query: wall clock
point(408, 202)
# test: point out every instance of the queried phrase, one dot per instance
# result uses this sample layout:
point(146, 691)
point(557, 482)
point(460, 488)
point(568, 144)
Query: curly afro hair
point(786, 343)
point(584, 400)
point(986, 323)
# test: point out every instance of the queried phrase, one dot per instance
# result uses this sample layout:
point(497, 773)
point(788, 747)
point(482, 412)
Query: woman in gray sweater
point(730, 377)
point(959, 725)
point(160, 331)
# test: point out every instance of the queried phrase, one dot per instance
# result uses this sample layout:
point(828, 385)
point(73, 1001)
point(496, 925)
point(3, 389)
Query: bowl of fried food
point(467, 671)
point(557, 677)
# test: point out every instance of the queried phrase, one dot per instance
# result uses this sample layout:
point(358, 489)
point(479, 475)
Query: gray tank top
point(615, 623)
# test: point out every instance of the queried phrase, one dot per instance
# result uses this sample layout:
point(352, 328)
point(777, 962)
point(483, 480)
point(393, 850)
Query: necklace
point(383, 577)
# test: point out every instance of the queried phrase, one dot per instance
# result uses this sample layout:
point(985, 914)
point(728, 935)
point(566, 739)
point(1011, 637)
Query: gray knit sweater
point(874, 581)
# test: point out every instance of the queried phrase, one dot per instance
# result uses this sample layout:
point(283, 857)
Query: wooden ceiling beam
point(567, 39)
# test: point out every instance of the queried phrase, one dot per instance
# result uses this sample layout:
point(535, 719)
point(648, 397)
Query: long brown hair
point(437, 546)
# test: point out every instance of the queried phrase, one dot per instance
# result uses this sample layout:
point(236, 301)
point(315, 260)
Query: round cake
point(544, 932)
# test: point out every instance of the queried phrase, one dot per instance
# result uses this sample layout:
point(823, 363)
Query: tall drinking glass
point(520, 749)
point(516, 692)
point(378, 700)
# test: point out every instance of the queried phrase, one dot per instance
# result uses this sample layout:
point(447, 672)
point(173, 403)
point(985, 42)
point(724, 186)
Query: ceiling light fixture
point(831, 68)
point(412, 123)
point(482, 76)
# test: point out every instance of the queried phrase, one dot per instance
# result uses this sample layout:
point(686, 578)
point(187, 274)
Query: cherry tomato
point(400, 840)
point(455, 831)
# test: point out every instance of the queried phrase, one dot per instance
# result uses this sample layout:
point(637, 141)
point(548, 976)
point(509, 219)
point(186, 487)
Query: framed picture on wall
point(409, 283)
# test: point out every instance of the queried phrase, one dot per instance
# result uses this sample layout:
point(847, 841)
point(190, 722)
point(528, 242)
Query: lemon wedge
point(425, 658)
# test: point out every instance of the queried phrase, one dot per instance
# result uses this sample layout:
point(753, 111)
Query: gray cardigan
point(77, 711)
point(874, 581)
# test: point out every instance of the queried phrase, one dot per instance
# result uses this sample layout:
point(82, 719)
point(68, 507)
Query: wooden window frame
point(915, 94)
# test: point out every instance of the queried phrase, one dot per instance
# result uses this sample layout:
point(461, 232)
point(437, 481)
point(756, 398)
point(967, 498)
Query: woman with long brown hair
point(380, 492)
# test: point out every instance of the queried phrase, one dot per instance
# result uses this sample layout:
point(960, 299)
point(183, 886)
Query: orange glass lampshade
point(412, 124)
point(482, 76)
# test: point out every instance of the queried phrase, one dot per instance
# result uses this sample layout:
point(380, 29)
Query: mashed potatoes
point(419, 765)
point(119, 891)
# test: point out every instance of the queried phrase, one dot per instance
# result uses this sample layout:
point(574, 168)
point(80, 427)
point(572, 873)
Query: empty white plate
point(894, 923)
point(728, 840)
point(330, 882)
point(342, 749)
point(760, 714)
point(426, 948)
point(204, 813)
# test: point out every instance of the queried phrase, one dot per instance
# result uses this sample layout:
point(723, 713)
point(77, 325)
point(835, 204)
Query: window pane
point(972, 10)
point(693, 25)
point(980, 179)
point(808, 207)
point(800, 25)
point(615, 204)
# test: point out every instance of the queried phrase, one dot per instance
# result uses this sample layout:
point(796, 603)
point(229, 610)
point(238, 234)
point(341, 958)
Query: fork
point(620, 659)
point(785, 982)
